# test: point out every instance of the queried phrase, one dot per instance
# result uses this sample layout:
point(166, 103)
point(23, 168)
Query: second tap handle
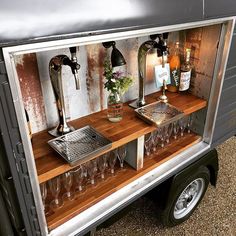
point(73, 54)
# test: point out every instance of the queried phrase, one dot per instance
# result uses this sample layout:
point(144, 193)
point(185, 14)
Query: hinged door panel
point(225, 125)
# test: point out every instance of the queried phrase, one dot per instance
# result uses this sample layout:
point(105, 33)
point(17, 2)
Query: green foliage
point(116, 81)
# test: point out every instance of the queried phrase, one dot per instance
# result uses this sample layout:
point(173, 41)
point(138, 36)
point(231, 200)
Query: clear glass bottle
point(174, 69)
point(114, 107)
point(185, 74)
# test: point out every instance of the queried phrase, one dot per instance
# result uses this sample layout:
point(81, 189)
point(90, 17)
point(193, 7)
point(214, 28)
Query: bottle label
point(174, 77)
point(161, 74)
point(184, 81)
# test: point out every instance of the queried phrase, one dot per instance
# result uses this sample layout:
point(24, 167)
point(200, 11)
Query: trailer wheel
point(185, 199)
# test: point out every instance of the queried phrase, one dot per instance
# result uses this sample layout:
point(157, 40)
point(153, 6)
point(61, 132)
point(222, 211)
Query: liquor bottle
point(29, 125)
point(174, 70)
point(185, 74)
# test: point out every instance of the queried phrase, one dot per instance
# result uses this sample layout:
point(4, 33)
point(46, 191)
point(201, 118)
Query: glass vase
point(114, 107)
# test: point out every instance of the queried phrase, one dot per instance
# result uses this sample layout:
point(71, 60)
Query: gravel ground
point(216, 214)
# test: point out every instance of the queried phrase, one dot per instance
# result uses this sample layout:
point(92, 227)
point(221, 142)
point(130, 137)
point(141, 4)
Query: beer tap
point(55, 69)
point(142, 54)
point(163, 97)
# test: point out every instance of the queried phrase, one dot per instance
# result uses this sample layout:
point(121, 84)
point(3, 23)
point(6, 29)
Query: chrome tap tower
point(142, 54)
point(55, 69)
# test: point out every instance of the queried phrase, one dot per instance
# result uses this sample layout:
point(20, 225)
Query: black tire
point(179, 207)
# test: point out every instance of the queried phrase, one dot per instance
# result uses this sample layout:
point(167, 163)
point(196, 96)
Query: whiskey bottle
point(185, 74)
point(174, 70)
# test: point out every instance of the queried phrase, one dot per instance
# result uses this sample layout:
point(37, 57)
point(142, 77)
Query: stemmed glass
point(102, 164)
point(112, 160)
point(182, 124)
point(155, 137)
point(175, 129)
point(148, 141)
point(67, 179)
point(79, 177)
point(92, 169)
point(190, 122)
point(55, 188)
point(162, 132)
point(168, 132)
point(43, 190)
point(121, 155)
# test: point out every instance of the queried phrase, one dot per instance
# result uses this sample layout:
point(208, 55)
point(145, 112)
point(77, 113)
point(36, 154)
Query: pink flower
point(118, 74)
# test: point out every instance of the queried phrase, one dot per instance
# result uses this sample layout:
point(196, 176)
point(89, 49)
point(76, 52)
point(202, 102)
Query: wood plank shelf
point(113, 183)
point(49, 164)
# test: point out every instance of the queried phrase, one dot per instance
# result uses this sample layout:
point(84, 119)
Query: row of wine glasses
point(162, 135)
point(67, 185)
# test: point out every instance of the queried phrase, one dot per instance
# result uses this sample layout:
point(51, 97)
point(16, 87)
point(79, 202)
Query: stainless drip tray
point(159, 113)
point(80, 145)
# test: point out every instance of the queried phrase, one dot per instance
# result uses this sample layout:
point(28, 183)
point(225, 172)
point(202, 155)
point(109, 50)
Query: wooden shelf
point(94, 194)
point(49, 164)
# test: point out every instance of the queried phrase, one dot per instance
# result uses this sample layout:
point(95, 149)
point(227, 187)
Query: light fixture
point(117, 58)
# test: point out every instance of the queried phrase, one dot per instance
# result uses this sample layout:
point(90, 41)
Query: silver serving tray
point(159, 113)
point(80, 145)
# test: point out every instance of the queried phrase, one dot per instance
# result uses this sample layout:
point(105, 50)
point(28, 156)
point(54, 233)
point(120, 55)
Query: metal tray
point(159, 113)
point(80, 145)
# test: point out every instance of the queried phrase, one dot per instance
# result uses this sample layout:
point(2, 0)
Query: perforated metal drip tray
point(159, 113)
point(80, 145)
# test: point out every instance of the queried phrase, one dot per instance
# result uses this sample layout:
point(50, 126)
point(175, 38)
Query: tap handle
point(75, 66)
point(72, 50)
point(165, 36)
point(73, 54)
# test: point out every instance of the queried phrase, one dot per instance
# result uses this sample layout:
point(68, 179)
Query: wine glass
point(43, 190)
point(148, 141)
point(92, 169)
point(162, 133)
point(155, 137)
point(182, 124)
point(175, 129)
point(112, 160)
point(190, 122)
point(67, 179)
point(55, 188)
point(79, 177)
point(102, 164)
point(121, 155)
point(168, 132)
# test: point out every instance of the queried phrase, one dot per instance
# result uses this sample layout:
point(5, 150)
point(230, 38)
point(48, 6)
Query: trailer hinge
point(2, 67)
point(17, 166)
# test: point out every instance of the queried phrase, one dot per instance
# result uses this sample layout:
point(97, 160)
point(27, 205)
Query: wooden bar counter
point(49, 164)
